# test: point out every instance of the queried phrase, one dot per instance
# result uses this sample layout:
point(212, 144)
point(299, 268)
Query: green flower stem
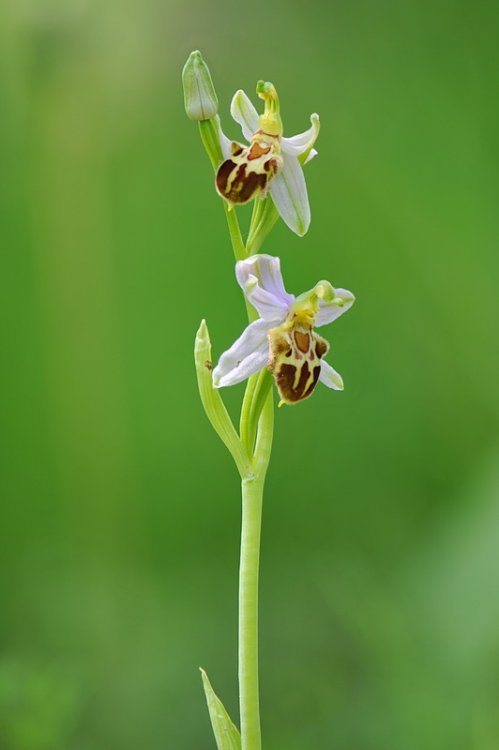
point(240, 251)
point(209, 130)
point(253, 404)
point(258, 208)
point(263, 220)
point(252, 496)
point(264, 437)
point(236, 237)
point(249, 706)
point(257, 422)
point(246, 410)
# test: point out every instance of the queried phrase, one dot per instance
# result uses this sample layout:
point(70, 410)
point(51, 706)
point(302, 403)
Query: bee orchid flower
point(270, 163)
point(283, 338)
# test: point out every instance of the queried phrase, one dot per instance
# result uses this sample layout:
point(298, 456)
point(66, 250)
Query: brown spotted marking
point(302, 341)
point(258, 149)
point(315, 377)
point(295, 360)
point(223, 175)
point(248, 171)
point(321, 346)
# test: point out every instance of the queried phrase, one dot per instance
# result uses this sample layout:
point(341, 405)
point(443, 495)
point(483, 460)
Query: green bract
point(226, 734)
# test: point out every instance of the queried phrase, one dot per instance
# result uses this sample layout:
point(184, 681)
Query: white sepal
point(289, 193)
point(247, 355)
point(330, 377)
point(260, 277)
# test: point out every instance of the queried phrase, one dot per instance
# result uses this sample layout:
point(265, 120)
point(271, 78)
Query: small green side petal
point(212, 401)
point(226, 734)
point(316, 125)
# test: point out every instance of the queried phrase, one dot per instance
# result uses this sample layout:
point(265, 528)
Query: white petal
point(246, 356)
point(303, 143)
point(329, 311)
point(330, 377)
point(289, 193)
point(244, 113)
point(260, 278)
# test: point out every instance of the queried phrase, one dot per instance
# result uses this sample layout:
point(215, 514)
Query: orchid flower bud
point(200, 99)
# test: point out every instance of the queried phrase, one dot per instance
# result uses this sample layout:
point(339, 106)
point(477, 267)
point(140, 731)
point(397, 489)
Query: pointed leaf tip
point(212, 401)
point(226, 734)
point(202, 332)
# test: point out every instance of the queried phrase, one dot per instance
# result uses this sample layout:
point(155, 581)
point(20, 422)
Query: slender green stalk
point(246, 411)
point(239, 248)
point(256, 214)
point(209, 131)
point(264, 437)
point(257, 423)
point(263, 220)
point(254, 400)
point(252, 495)
point(235, 232)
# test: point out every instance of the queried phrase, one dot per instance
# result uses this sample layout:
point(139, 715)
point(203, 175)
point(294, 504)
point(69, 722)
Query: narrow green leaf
point(226, 734)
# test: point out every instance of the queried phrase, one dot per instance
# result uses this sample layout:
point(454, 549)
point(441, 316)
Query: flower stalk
point(249, 566)
point(249, 706)
point(278, 345)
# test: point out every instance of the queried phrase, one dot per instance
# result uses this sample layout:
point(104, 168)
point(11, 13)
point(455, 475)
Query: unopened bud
point(200, 99)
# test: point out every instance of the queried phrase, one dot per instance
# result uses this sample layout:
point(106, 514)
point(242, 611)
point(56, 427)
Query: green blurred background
point(120, 511)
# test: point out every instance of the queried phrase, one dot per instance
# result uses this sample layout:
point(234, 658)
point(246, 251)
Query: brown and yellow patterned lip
point(237, 185)
point(295, 360)
point(247, 172)
point(291, 391)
